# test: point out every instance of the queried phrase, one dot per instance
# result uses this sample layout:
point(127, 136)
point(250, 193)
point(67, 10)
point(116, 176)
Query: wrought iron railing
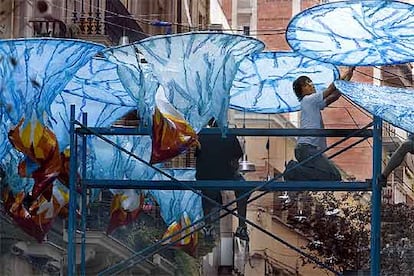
point(89, 18)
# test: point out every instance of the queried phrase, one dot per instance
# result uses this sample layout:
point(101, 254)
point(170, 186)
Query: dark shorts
point(319, 167)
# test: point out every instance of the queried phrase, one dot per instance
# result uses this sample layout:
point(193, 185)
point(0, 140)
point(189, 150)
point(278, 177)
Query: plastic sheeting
point(95, 90)
point(41, 78)
point(175, 202)
point(263, 82)
point(355, 33)
point(389, 103)
point(196, 71)
point(32, 73)
point(136, 77)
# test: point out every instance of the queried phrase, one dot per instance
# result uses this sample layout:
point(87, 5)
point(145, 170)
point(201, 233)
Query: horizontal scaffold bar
point(240, 131)
point(228, 185)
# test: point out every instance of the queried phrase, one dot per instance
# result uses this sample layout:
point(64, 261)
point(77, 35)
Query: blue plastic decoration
point(173, 203)
point(389, 103)
point(96, 90)
point(41, 78)
point(34, 71)
point(355, 33)
point(263, 82)
point(196, 71)
point(136, 77)
point(108, 162)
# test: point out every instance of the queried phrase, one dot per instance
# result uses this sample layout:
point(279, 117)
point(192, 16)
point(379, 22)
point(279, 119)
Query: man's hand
point(348, 75)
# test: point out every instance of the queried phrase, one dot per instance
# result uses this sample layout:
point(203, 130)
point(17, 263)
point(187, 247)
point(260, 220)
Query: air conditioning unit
point(43, 8)
point(216, 27)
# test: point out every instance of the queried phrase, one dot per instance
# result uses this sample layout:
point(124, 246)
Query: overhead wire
point(366, 113)
point(150, 22)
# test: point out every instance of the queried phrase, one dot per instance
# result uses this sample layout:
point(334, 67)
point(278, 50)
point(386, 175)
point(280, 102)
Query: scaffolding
point(80, 129)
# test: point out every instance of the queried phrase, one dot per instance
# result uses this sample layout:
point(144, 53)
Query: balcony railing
point(49, 28)
point(88, 18)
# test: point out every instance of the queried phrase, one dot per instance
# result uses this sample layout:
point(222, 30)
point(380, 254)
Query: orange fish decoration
point(171, 136)
point(40, 146)
point(125, 208)
point(189, 243)
point(36, 219)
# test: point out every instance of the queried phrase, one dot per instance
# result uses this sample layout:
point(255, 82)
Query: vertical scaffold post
point(376, 199)
point(84, 199)
point(72, 196)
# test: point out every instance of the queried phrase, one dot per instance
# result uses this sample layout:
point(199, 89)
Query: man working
point(320, 168)
point(218, 159)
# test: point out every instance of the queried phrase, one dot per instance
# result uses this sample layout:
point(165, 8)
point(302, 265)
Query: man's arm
point(331, 94)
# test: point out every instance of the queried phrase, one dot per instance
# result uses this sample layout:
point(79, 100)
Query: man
point(319, 168)
point(218, 159)
point(397, 157)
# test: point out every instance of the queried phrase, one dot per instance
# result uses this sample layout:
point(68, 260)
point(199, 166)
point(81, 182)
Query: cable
point(403, 183)
point(396, 75)
point(149, 22)
point(103, 20)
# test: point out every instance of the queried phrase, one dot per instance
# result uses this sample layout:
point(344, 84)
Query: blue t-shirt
point(311, 117)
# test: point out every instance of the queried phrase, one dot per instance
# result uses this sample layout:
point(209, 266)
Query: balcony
point(96, 20)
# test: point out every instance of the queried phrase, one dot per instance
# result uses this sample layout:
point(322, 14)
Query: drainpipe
point(12, 19)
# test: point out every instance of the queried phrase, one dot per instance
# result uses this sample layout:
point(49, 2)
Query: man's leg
point(397, 157)
point(318, 168)
point(241, 206)
point(208, 206)
point(241, 231)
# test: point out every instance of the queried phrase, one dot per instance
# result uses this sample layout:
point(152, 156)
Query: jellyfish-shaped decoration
point(196, 71)
point(95, 90)
point(359, 33)
point(34, 71)
point(173, 203)
point(136, 77)
point(263, 82)
point(392, 104)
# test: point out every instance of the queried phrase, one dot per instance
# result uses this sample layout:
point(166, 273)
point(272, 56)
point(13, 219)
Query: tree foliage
point(338, 227)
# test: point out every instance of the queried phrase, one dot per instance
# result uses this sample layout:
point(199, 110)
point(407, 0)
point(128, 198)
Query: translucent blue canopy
point(389, 103)
point(355, 33)
point(34, 71)
point(196, 71)
point(136, 77)
point(263, 82)
point(107, 162)
point(95, 90)
point(175, 202)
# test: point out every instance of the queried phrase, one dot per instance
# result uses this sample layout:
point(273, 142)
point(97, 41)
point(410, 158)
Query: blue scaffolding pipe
point(376, 200)
point(294, 132)
point(123, 265)
point(228, 185)
point(319, 185)
point(84, 199)
point(72, 195)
